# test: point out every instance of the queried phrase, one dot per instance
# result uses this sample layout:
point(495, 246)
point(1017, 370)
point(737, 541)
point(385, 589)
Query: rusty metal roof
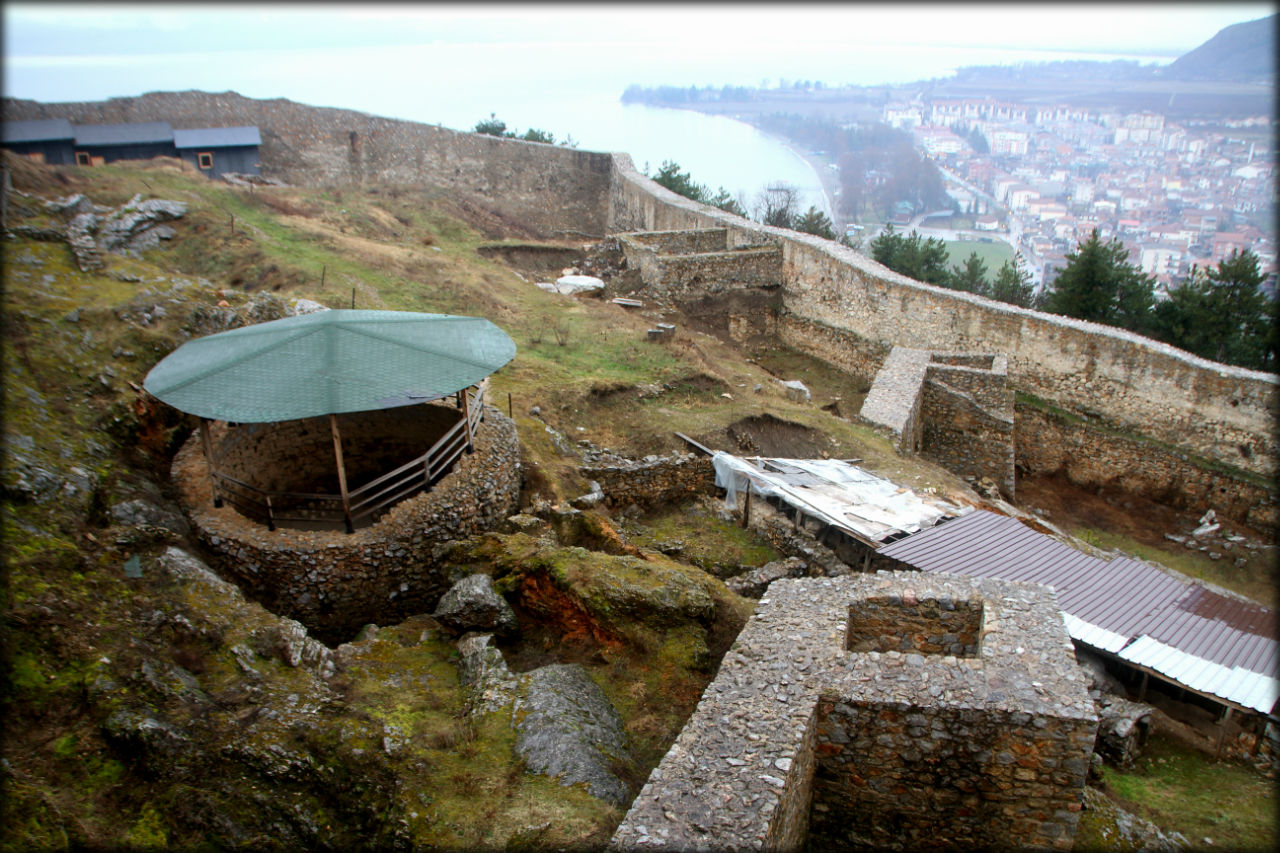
point(1206, 640)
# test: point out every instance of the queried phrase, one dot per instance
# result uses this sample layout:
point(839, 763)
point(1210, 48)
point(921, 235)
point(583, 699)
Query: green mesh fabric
point(328, 362)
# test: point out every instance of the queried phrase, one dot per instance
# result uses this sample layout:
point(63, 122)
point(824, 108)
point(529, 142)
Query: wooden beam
point(466, 416)
point(342, 472)
point(208, 458)
point(746, 506)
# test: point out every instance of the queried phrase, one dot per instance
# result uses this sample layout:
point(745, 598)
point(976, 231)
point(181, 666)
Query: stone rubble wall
point(967, 419)
point(701, 261)
point(320, 146)
point(895, 397)
point(667, 479)
point(1210, 409)
point(1050, 443)
point(334, 582)
point(281, 456)
point(906, 749)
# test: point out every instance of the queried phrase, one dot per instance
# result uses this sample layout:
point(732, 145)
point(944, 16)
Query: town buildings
point(1180, 196)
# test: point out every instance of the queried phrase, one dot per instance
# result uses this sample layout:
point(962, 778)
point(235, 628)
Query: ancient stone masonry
point(1051, 442)
point(955, 408)
point(335, 582)
point(705, 261)
point(652, 480)
point(848, 310)
point(552, 189)
point(894, 711)
point(809, 293)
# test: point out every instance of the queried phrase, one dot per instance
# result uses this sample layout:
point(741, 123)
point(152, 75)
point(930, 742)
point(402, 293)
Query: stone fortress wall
point(835, 304)
point(1120, 389)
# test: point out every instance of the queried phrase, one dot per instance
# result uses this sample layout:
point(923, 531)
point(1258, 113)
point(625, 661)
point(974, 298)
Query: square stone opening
point(927, 626)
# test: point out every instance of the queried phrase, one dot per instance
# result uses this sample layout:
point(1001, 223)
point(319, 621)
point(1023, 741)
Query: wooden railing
point(367, 502)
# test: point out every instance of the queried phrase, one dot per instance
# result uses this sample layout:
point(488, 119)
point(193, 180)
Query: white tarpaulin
point(835, 492)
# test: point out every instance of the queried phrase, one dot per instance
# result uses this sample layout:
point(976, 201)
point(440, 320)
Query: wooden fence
point(365, 504)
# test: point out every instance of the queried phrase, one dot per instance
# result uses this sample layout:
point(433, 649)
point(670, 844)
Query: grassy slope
point(66, 386)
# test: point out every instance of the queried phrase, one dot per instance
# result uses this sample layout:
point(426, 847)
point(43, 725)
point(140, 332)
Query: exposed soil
point(1070, 506)
point(766, 435)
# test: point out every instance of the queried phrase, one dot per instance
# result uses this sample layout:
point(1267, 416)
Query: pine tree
point(972, 277)
point(1013, 285)
point(1099, 284)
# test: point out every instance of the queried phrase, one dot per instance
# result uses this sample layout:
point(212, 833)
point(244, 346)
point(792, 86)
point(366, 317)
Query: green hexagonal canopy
point(328, 362)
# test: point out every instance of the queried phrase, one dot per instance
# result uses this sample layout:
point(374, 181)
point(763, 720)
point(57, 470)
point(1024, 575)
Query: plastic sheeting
point(834, 492)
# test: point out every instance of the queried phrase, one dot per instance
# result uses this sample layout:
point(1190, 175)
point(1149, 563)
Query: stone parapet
point(973, 731)
point(654, 480)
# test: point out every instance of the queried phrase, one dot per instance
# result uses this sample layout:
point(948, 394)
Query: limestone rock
point(592, 498)
point(579, 285)
point(486, 681)
point(472, 605)
point(145, 513)
point(796, 391)
point(306, 306)
point(753, 584)
point(568, 730)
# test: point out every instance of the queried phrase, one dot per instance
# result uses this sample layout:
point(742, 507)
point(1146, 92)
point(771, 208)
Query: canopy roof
point(328, 362)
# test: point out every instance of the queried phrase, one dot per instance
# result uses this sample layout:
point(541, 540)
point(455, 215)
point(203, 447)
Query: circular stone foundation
point(331, 581)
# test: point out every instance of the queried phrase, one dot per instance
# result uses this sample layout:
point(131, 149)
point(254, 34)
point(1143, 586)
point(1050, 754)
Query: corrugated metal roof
point(1203, 639)
point(328, 362)
point(40, 130)
point(217, 137)
point(139, 133)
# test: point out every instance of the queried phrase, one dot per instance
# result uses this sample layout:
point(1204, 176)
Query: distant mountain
point(1241, 53)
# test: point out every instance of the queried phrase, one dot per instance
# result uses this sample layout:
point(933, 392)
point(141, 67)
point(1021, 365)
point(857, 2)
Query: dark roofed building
point(212, 150)
point(217, 150)
point(106, 143)
point(44, 140)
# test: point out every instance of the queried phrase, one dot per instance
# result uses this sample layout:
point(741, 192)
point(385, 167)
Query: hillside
point(152, 704)
point(1241, 53)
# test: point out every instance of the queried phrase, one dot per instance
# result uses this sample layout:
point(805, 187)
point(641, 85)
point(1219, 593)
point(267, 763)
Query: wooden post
point(1222, 732)
point(271, 518)
point(513, 417)
point(323, 270)
point(746, 507)
point(466, 416)
point(342, 472)
point(208, 458)
point(1142, 691)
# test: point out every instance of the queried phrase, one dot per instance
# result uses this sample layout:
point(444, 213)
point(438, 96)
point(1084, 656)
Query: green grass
point(1181, 790)
point(993, 254)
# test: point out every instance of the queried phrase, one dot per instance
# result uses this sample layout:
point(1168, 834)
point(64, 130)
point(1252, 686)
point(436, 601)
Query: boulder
point(796, 391)
point(140, 513)
point(579, 285)
point(472, 605)
point(567, 729)
point(486, 681)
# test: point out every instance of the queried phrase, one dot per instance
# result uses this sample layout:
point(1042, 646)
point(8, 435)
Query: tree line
point(777, 204)
point(494, 126)
point(1219, 313)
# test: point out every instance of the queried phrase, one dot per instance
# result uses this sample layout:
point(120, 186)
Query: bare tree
point(777, 205)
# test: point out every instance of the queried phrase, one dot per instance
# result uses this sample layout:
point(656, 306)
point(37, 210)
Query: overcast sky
point(350, 55)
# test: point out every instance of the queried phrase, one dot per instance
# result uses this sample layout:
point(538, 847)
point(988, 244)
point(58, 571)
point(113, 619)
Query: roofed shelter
point(274, 385)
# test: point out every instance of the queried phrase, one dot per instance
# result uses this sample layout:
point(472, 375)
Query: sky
point(406, 59)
